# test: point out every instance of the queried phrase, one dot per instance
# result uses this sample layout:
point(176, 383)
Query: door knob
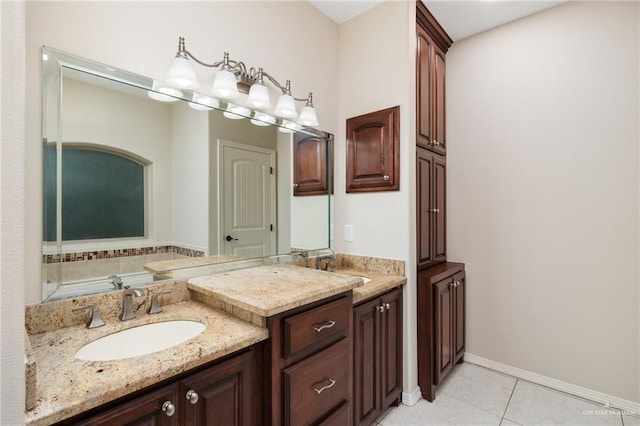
point(230, 238)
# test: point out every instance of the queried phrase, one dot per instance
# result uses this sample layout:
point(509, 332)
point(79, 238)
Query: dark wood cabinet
point(309, 165)
point(377, 356)
point(432, 45)
point(218, 395)
point(431, 208)
point(373, 151)
point(307, 367)
point(441, 324)
point(449, 324)
point(156, 408)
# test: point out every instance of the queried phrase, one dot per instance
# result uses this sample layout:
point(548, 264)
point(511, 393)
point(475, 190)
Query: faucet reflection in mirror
point(233, 77)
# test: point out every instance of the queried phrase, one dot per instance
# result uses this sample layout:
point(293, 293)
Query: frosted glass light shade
point(285, 107)
point(308, 116)
point(203, 103)
point(259, 97)
point(224, 85)
point(163, 93)
point(181, 74)
point(262, 119)
point(288, 127)
point(236, 112)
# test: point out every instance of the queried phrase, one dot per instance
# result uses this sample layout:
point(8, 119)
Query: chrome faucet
point(116, 281)
point(127, 301)
point(321, 259)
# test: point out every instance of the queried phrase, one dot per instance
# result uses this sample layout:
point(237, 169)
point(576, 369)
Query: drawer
point(339, 417)
point(317, 385)
point(316, 325)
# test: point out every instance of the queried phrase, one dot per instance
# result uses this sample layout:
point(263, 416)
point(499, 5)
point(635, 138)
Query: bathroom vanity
point(278, 349)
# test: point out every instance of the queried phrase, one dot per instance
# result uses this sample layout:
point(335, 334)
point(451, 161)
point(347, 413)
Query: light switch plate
point(348, 233)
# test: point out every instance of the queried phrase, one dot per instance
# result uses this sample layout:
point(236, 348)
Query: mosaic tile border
point(115, 253)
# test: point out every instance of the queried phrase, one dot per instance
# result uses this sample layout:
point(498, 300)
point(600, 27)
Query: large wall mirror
point(143, 185)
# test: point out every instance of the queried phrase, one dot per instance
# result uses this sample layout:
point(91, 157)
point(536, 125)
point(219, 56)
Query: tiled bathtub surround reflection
point(473, 395)
point(71, 267)
point(111, 254)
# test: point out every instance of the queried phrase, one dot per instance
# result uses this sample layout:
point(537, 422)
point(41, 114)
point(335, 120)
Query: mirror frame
point(56, 58)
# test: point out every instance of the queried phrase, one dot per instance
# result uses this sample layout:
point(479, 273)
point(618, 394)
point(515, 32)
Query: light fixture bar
point(233, 77)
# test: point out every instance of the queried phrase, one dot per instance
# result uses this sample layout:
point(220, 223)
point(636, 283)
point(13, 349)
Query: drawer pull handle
point(328, 324)
point(330, 385)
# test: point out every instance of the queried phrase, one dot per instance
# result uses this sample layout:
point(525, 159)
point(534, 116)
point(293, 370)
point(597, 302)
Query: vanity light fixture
point(164, 93)
point(203, 103)
point(233, 77)
point(262, 119)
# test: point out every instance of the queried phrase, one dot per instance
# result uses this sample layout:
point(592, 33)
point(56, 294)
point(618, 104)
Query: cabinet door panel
point(224, 394)
point(373, 151)
point(438, 105)
point(424, 172)
point(310, 165)
point(145, 410)
point(443, 329)
point(423, 87)
point(440, 204)
point(391, 347)
point(366, 363)
point(459, 303)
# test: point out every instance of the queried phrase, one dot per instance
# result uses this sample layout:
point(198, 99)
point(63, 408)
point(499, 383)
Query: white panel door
point(247, 201)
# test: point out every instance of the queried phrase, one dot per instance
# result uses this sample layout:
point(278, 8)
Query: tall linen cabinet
point(441, 284)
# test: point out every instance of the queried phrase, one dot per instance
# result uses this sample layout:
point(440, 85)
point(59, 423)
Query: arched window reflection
point(102, 194)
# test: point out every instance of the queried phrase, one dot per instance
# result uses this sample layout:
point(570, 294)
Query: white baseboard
point(411, 398)
point(628, 407)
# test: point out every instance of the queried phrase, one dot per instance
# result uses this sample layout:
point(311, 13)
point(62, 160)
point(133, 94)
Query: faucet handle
point(95, 321)
point(155, 303)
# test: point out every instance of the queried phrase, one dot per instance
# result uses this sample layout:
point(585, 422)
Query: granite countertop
point(67, 386)
point(380, 283)
point(269, 290)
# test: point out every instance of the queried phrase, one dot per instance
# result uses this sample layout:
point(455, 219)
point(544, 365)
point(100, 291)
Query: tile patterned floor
point(473, 395)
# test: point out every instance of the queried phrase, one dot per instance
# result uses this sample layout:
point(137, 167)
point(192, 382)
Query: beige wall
point(543, 186)
point(12, 210)
point(189, 177)
point(376, 72)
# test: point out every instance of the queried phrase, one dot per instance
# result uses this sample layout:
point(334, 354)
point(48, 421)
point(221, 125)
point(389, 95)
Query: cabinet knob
point(192, 396)
point(435, 143)
point(380, 308)
point(295, 185)
point(385, 177)
point(387, 306)
point(168, 408)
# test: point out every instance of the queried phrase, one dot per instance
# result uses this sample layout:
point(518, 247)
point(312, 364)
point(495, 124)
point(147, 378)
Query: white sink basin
point(141, 340)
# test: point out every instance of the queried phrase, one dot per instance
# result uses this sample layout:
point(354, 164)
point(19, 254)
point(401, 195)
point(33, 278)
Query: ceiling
point(460, 19)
